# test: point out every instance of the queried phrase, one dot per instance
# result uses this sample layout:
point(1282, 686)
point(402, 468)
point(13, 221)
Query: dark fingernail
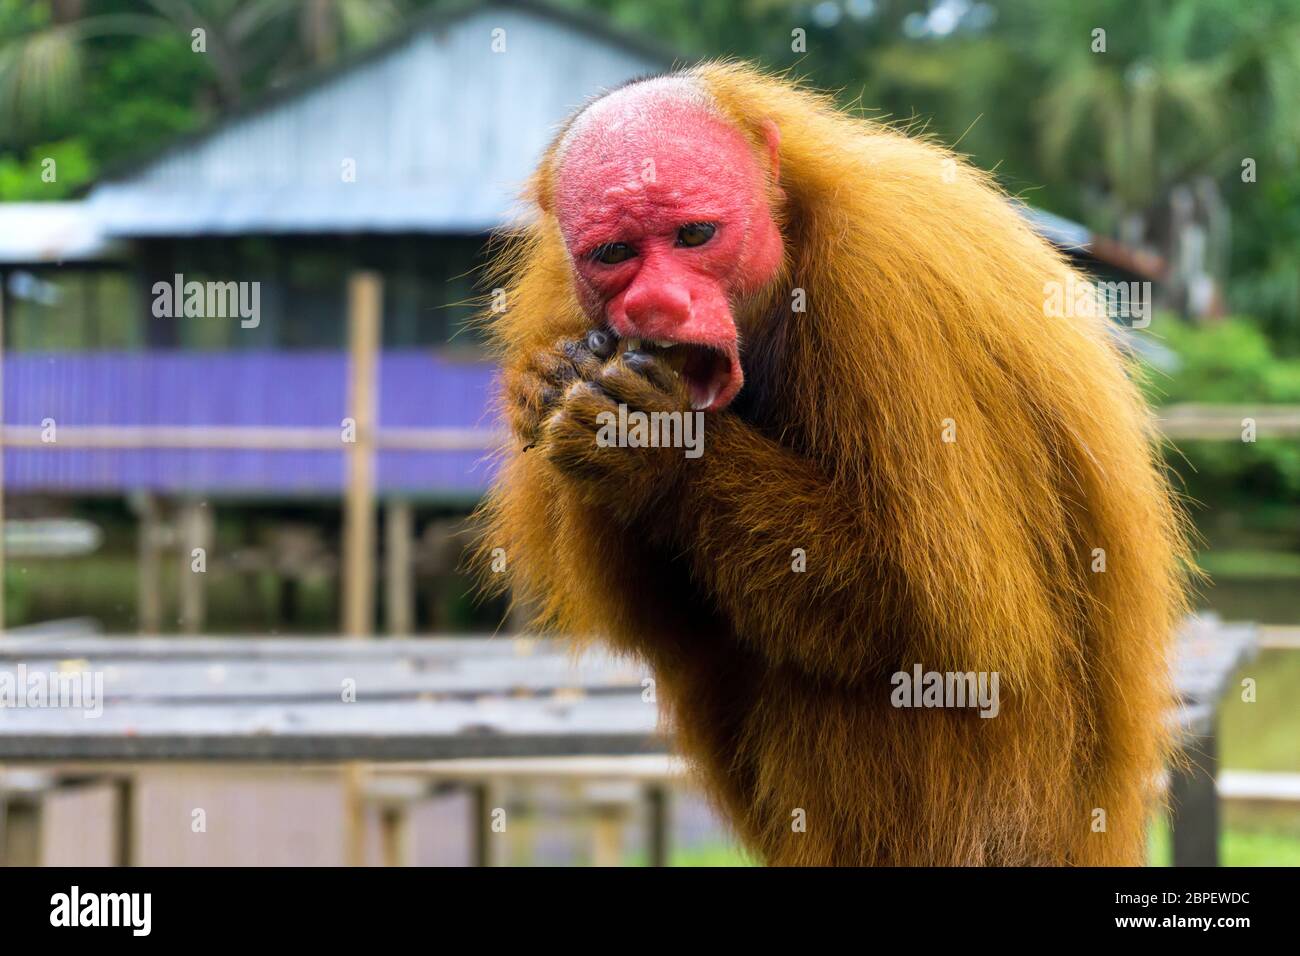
point(637, 360)
point(601, 343)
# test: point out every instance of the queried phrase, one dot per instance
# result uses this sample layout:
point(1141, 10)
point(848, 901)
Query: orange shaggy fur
point(925, 302)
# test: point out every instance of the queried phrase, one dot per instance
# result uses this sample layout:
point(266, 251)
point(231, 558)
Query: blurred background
point(334, 170)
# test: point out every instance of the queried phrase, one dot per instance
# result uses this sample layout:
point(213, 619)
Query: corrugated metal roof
point(35, 233)
point(442, 131)
point(417, 389)
point(1062, 232)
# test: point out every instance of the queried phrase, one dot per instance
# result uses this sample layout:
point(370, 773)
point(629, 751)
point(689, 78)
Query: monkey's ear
point(772, 136)
point(541, 187)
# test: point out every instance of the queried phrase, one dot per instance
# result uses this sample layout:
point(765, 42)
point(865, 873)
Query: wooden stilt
point(658, 824)
point(4, 291)
point(394, 828)
point(354, 788)
point(149, 602)
point(20, 830)
point(196, 524)
point(364, 302)
point(125, 852)
point(399, 598)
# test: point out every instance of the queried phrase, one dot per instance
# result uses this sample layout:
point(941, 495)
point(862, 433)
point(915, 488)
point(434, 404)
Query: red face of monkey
point(663, 208)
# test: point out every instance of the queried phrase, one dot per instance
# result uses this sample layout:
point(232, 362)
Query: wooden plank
point(416, 699)
point(650, 768)
point(322, 748)
point(125, 683)
point(1279, 637)
point(409, 730)
point(1224, 422)
point(49, 537)
point(1259, 786)
point(1183, 421)
point(323, 647)
point(58, 627)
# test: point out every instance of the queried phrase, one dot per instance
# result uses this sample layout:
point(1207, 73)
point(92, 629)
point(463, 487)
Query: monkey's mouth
point(712, 375)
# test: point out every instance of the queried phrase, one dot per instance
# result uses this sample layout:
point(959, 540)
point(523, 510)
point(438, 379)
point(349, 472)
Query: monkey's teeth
point(700, 404)
point(633, 343)
point(663, 343)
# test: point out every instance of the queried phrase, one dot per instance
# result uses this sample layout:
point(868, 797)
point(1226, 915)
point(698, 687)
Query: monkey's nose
point(656, 311)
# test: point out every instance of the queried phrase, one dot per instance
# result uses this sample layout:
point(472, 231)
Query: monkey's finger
point(555, 368)
point(601, 343)
point(643, 382)
point(568, 436)
point(585, 359)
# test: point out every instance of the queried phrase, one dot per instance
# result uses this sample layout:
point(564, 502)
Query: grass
point(1256, 564)
point(1263, 734)
point(103, 586)
point(1253, 839)
point(703, 855)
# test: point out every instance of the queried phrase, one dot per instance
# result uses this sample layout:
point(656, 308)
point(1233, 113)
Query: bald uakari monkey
point(910, 465)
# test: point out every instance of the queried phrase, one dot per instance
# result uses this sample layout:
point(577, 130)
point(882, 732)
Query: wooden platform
point(471, 701)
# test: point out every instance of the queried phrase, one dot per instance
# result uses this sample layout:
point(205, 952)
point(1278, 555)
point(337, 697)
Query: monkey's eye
point(612, 253)
point(695, 233)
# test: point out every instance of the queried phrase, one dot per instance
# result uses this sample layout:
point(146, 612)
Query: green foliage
point(16, 594)
point(1184, 92)
point(1231, 362)
point(1227, 362)
point(144, 97)
point(49, 171)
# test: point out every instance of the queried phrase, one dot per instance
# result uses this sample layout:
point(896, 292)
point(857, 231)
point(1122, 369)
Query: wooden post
point(149, 605)
point(658, 824)
point(607, 834)
point(399, 598)
point(196, 532)
point(486, 845)
point(364, 300)
point(124, 831)
point(20, 830)
point(395, 832)
point(4, 291)
point(354, 799)
point(1194, 798)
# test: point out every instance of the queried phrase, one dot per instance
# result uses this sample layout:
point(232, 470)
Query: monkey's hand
point(535, 388)
point(617, 456)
